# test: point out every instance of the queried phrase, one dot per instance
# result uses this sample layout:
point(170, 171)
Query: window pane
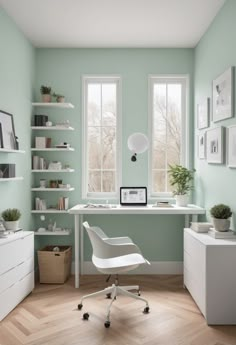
point(159, 181)
point(109, 147)
point(94, 104)
point(108, 181)
point(109, 104)
point(94, 147)
point(94, 182)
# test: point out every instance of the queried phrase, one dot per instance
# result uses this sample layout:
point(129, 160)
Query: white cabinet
point(209, 276)
point(16, 270)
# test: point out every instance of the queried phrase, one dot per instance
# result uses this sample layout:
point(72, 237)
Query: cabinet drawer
point(196, 265)
point(193, 247)
point(16, 252)
point(15, 294)
point(15, 274)
point(196, 289)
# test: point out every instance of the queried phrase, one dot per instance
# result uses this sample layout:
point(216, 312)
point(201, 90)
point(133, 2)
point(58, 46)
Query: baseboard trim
point(156, 267)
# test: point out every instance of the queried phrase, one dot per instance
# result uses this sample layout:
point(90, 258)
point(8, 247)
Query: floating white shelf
point(50, 211)
point(11, 151)
point(52, 128)
point(52, 189)
point(11, 179)
point(53, 105)
point(52, 171)
point(53, 149)
point(53, 233)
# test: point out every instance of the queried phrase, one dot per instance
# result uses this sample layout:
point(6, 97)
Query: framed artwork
point(203, 113)
point(1, 139)
point(202, 146)
point(130, 196)
point(8, 138)
point(215, 145)
point(222, 94)
point(231, 146)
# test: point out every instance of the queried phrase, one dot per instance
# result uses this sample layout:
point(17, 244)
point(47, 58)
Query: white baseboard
point(156, 267)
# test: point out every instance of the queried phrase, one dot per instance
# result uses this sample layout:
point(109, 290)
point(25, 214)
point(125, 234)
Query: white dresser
point(210, 276)
point(16, 270)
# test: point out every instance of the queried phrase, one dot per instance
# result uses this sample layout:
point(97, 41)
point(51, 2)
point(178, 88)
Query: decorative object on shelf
point(49, 124)
point(230, 234)
point(137, 143)
point(202, 146)
point(53, 183)
point(223, 95)
point(42, 142)
point(40, 204)
point(40, 120)
point(52, 225)
point(42, 183)
point(55, 165)
point(200, 227)
point(7, 170)
point(46, 93)
point(203, 113)
point(8, 137)
point(215, 147)
point(59, 98)
point(39, 163)
point(181, 179)
point(231, 138)
point(63, 124)
point(221, 217)
point(63, 145)
point(11, 218)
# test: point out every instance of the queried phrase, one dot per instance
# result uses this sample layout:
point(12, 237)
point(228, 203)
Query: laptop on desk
point(133, 196)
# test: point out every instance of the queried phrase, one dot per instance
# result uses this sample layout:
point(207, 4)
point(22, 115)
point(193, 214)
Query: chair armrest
point(118, 240)
point(108, 250)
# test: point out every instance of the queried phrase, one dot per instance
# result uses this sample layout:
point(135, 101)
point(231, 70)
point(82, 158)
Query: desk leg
point(187, 223)
point(77, 223)
point(194, 217)
point(81, 245)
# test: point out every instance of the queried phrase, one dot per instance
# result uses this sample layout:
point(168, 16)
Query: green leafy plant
point(11, 214)
point(181, 179)
point(45, 90)
point(59, 97)
point(221, 211)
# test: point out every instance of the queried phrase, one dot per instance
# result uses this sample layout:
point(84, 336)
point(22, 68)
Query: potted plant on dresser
point(221, 217)
point(181, 179)
point(11, 218)
point(46, 93)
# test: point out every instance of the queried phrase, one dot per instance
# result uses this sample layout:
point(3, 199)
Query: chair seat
point(119, 264)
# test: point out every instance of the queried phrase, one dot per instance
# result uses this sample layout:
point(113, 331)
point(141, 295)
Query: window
point(167, 129)
point(100, 142)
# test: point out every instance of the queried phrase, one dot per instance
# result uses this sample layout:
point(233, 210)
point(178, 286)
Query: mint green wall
point(16, 84)
point(159, 237)
point(213, 55)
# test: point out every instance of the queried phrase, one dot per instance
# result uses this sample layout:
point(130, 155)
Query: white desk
point(80, 210)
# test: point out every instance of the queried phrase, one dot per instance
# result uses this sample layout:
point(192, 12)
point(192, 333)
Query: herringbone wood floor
point(49, 316)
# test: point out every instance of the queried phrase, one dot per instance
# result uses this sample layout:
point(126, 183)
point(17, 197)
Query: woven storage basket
point(54, 267)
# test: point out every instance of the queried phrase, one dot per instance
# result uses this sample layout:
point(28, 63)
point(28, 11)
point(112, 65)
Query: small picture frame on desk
point(133, 196)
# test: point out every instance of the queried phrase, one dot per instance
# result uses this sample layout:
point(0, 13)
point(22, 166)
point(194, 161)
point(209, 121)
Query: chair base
point(113, 291)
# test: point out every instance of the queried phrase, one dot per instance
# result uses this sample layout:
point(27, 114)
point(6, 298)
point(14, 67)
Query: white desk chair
point(113, 256)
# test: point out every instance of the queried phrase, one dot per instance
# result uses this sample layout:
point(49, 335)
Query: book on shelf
point(230, 234)
point(200, 226)
point(63, 203)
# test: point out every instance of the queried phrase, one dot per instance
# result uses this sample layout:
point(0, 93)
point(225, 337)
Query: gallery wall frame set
point(203, 113)
point(7, 131)
point(231, 146)
point(215, 145)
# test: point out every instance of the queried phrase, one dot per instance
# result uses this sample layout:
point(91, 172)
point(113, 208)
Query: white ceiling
point(113, 23)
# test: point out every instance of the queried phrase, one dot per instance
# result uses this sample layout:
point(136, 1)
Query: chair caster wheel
point(86, 316)
point(80, 306)
point(146, 310)
point(139, 293)
point(107, 324)
point(109, 295)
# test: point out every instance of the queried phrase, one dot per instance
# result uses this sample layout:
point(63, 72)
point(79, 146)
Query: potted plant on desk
point(221, 217)
point(11, 218)
point(181, 179)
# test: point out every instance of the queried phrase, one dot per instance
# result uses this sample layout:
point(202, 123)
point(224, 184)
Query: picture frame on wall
point(215, 145)
point(1, 138)
point(202, 145)
point(8, 131)
point(203, 113)
point(231, 146)
point(222, 96)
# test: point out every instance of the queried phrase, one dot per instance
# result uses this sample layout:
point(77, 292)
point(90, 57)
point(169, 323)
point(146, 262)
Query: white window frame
point(86, 79)
point(184, 157)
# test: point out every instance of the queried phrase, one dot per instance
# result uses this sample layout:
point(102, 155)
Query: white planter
point(221, 224)
point(181, 200)
point(14, 225)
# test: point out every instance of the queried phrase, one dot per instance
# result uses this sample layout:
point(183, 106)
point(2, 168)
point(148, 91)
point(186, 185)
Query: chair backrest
point(96, 236)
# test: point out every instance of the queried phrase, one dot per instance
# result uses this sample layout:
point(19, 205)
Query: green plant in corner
point(45, 90)
point(181, 179)
point(221, 211)
point(11, 215)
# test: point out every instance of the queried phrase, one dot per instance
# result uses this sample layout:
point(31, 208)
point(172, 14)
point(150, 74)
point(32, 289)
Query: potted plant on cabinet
point(11, 218)
point(220, 217)
point(181, 179)
point(46, 93)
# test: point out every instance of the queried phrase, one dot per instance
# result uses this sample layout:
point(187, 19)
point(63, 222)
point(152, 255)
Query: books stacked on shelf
point(63, 203)
point(230, 234)
point(39, 163)
point(162, 204)
point(40, 120)
point(200, 227)
point(42, 142)
point(40, 204)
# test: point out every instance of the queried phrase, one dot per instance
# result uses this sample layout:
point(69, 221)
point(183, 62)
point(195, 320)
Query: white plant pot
point(46, 98)
point(181, 200)
point(221, 224)
point(13, 225)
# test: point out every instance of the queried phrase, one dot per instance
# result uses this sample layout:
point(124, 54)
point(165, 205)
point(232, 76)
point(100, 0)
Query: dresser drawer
point(16, 252)
point(196, 265)
point(196, 289)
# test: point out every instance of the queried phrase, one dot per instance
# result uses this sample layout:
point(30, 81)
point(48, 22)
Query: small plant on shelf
point(59, 98)
point(11, 218)
point(46, 93)
point(220, 216)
